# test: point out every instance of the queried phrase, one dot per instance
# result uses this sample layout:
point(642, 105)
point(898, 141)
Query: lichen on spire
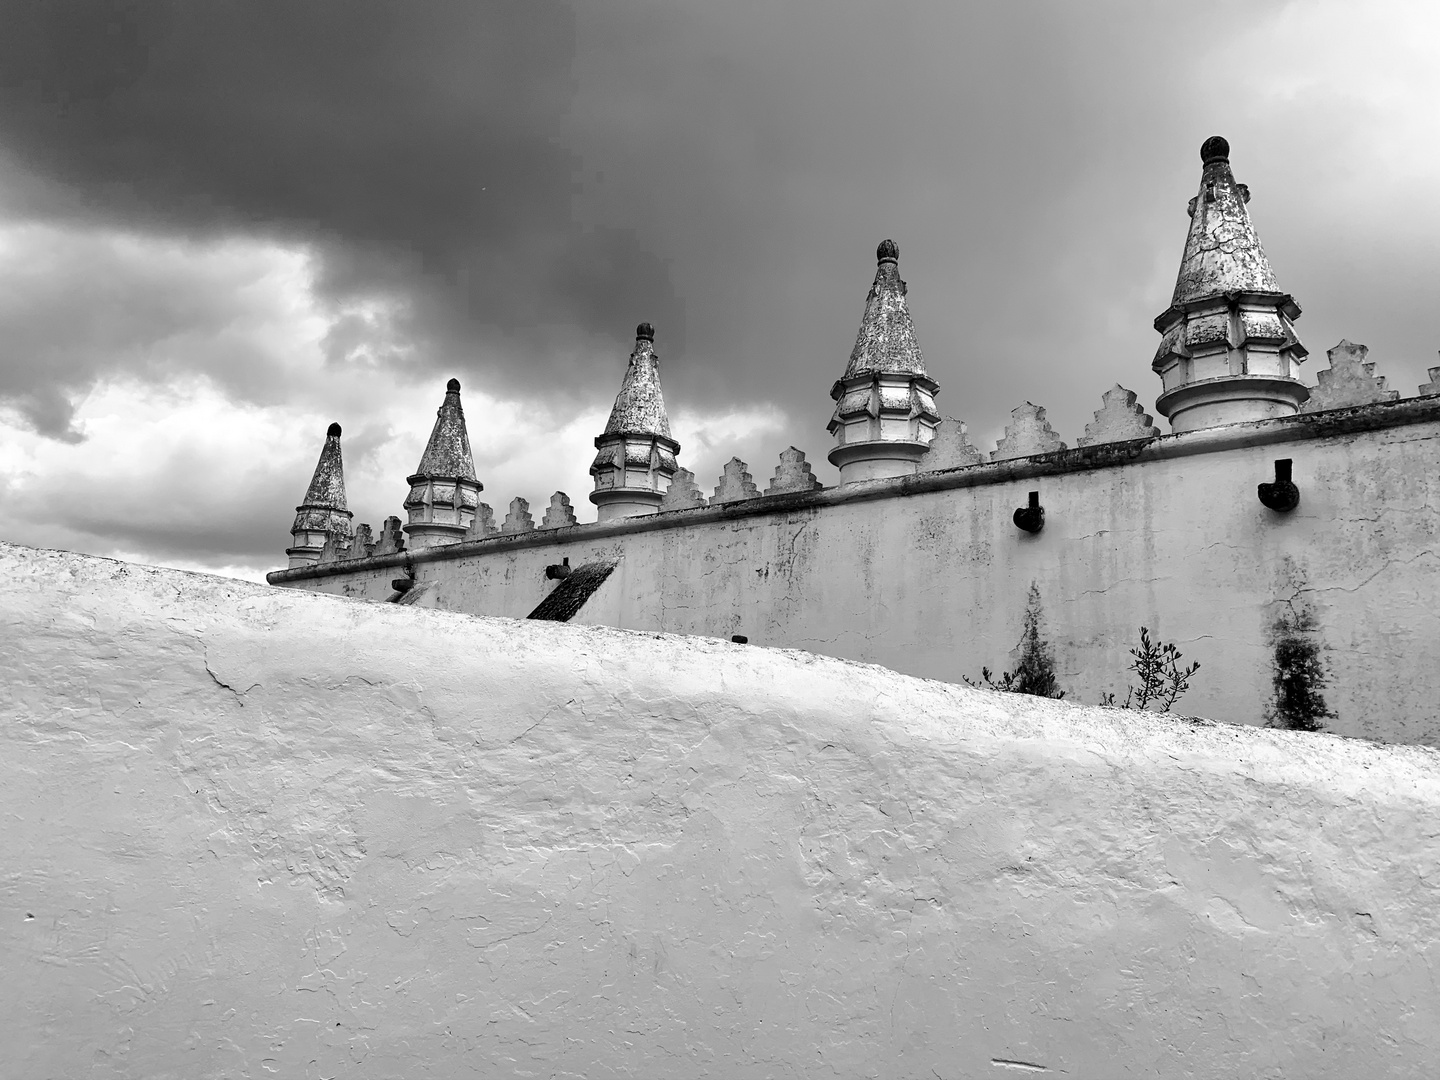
point(1222, 251)
point(327, 485)
point(886, 341)
point(447, 454)
point(640, 405)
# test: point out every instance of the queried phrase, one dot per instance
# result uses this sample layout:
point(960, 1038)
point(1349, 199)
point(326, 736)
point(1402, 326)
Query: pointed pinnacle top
point(327, 485)
point(640, 406)
point(1222, 251)
point(886, 342)
point(447, 453)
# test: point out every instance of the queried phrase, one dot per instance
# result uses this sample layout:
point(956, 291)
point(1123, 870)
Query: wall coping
point(1302, 427)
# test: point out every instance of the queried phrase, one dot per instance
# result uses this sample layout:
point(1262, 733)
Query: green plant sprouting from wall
point(1297, 672)
point(1162, 680)
point(1034, 673)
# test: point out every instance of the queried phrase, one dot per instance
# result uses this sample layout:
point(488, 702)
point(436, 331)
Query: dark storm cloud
point(524, 182)
point(417, 145)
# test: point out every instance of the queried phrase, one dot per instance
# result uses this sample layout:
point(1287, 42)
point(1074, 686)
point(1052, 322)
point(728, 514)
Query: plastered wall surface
point(935, 583)
point(253, 832)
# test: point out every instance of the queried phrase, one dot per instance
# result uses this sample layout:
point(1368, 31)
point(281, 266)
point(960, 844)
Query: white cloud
point(179, 461)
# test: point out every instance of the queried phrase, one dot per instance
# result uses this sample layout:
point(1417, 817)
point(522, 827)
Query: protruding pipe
point(558, 571)
point(1031, 518)
point(1280, 495)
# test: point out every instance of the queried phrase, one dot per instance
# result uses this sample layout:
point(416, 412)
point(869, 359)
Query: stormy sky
point(224, 225)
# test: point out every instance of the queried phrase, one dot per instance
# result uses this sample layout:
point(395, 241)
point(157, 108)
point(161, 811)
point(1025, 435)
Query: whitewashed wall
point(253, 832)
point(934, 583)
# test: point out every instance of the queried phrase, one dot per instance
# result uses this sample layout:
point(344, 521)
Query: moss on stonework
point(1035, 671)
point(1298, 675)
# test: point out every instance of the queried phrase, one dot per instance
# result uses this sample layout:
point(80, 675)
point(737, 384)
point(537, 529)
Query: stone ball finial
point(1215, 148)
point(644, 332)
point(888, 251)
point(453, 386)
point(333, 431)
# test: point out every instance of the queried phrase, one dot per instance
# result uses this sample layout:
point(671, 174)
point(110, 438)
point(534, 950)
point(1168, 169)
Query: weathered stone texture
point(484, 523)
point(316, 838)
point(1119, 419)
point(559, 514)
point(793, 474)
point(886, 342)
point(1027, 434)
point(392, 538)
point(735, 484)
point(337, 547)
point(951, 447)
point(518, 520)
point(683, 493)
point(640, 406)
point(1349, 381)
point(1431, 388)
point(363, 546)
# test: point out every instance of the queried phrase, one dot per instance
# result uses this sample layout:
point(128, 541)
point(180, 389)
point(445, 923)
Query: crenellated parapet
point(1349, 381)
point(885, 413)
point(793, 474)
point(951, 447)
point(518, 520)
point(443, 491)
point(1028, 433)
point(559, 514)
point(1119, 419)
point(635, 455)
point(683, 493)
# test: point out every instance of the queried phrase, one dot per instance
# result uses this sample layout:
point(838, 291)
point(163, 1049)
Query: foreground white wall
point(254, 832)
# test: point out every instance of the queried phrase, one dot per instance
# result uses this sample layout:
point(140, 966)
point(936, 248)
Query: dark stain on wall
point(1298, 674)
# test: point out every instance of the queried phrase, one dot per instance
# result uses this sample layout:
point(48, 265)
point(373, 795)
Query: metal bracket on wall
point(1031, 518)
point(1280, 495)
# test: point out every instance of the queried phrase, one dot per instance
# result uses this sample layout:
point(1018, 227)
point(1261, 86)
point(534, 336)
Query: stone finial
point(1027, 434)
point(484, 523)
point(951, 448)
point(1350, 380)
point(635, 455)
point(559, 514)
point(793, 474)
point(1431, 388)
point(518, 520)
point(392, 538)
point(1119, 419)
point(736, 483)
point(1228, 351)
point(363, 546)
point(323, 512)
point(683, 493)
point(443, 491)
point(885, 402)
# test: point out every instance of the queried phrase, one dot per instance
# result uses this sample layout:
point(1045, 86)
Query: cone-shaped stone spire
point(443, 492)
point(635, 457)
point(323, 514)
point(1228, 350)
point(885, 403)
